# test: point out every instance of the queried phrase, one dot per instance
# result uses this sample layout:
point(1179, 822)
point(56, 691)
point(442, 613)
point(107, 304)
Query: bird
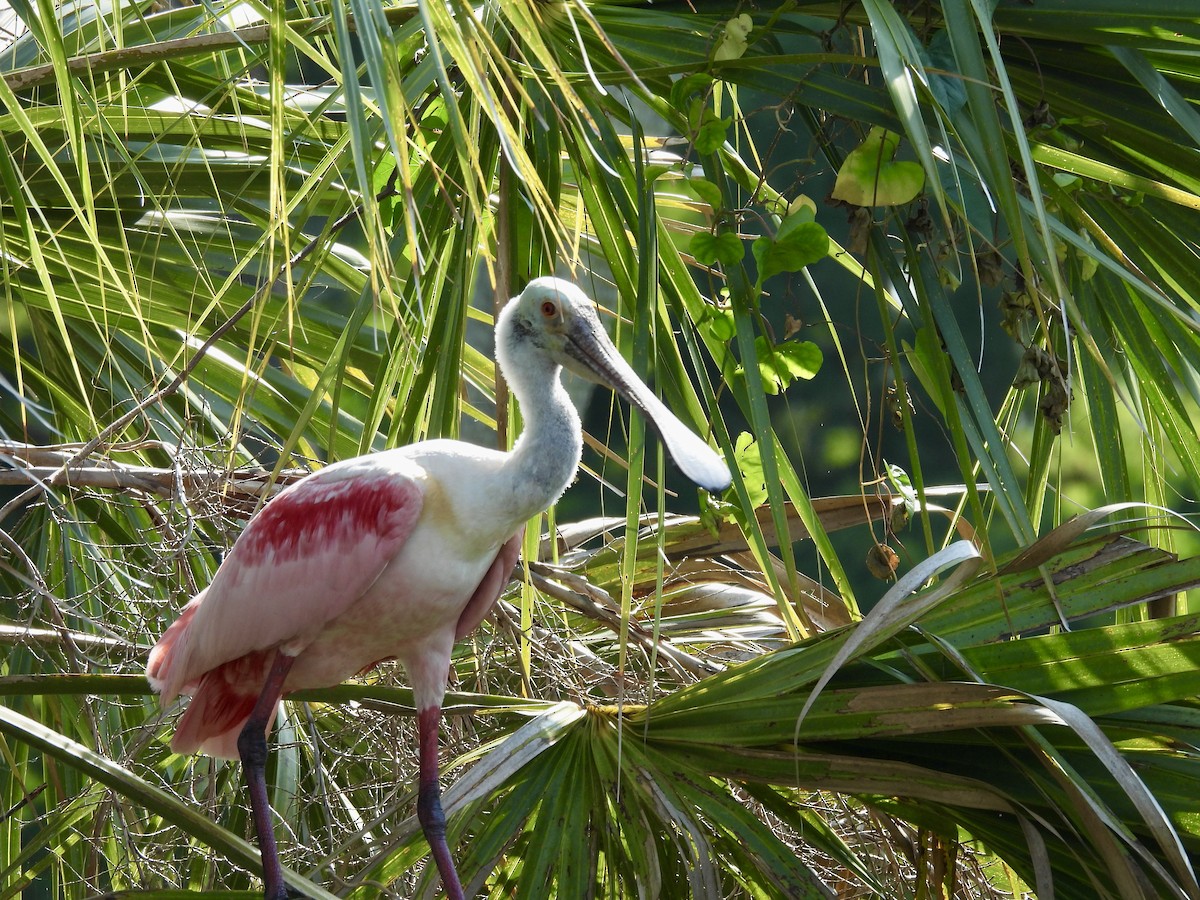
point(395, 555)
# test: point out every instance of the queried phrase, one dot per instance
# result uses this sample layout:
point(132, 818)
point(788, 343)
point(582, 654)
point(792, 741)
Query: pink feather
point(301, 562)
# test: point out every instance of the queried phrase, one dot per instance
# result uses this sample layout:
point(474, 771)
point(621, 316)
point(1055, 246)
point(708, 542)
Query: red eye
point(549, 309)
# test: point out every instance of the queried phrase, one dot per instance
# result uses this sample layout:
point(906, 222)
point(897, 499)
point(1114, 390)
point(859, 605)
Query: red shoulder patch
point(328, 515)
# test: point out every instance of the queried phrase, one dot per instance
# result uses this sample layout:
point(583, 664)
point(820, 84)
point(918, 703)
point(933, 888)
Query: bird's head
point(551, 315)
point(555, 319)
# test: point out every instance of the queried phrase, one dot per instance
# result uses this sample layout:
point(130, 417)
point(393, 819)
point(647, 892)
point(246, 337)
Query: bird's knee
point(429, 813)
point(252, 745)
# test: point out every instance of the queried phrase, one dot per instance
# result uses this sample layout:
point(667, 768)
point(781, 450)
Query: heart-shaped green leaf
point(798, 244)
point(684, 88)
point(719, 324)
point(802, 209)
point(749, 463)
point(711, 134)
point(871, 177)
point(708, 248)
point(783, 363)
point(706, 191)
point(798, 359)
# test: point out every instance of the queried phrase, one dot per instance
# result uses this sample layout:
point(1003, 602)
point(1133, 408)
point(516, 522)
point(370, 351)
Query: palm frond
point(239, 242)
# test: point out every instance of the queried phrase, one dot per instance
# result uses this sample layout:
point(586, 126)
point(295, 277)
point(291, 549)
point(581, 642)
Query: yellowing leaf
point(732, 43)
point(871, 177)
point(803, 205)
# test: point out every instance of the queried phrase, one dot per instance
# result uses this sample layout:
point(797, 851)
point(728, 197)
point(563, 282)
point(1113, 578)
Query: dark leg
point(429, 801)
point(252, 746)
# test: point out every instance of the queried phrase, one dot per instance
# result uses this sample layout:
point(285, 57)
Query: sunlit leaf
point(732, 43)
point(871, 176)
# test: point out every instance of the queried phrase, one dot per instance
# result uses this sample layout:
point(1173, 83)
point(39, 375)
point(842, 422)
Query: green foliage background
point(240, 240)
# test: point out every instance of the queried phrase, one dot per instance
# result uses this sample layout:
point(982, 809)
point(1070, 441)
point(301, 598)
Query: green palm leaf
point(236, 243)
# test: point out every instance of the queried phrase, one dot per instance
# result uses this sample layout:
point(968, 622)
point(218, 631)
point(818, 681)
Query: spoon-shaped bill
point(595, 357)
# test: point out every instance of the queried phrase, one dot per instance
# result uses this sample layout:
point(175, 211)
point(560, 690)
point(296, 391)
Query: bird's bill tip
point(718, 481)
point(698, 461)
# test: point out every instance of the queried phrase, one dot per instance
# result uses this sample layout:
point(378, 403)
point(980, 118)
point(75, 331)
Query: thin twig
point(601, 675)
point(28, 798)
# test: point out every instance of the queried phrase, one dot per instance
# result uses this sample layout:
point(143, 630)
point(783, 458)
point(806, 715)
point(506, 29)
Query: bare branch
point(163, 482)
point(41, 468)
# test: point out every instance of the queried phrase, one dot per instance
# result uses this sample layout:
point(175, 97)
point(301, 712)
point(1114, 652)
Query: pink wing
point(300, 563)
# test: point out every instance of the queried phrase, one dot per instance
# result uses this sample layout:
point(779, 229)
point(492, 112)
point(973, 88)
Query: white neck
point(546, 456)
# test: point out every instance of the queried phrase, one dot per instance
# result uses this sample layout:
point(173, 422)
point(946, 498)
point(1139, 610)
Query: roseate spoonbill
point(394, 555)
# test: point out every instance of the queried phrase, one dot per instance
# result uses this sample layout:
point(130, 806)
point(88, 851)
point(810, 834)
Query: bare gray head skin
point(560, 320)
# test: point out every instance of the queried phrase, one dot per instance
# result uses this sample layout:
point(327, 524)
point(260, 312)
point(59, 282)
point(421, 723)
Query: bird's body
point(393, 555)
point(375, 558)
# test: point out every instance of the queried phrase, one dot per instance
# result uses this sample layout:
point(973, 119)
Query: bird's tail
point(220, 706)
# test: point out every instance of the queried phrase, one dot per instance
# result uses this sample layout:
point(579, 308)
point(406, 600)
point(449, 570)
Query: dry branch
point(30, 465)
